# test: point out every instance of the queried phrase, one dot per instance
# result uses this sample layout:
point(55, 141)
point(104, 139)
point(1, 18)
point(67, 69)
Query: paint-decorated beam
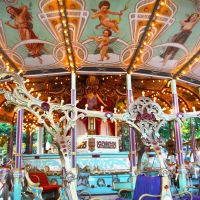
point(66, 34)
point(158, 3)
point(195, 58)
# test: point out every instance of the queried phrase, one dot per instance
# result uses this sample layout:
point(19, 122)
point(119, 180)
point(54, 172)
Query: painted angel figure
point(103, 43)
point(103, 15)
point(23, 24)
point(186, 29)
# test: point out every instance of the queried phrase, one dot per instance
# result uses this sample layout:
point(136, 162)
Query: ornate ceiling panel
point(104, 35)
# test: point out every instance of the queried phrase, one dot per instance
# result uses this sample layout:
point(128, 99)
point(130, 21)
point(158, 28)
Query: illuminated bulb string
point(66, 35)
point(144, 35)
point(187, 65)
point(8, 62)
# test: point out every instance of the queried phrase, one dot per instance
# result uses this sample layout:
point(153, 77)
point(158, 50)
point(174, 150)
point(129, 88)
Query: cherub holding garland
point(103, 15)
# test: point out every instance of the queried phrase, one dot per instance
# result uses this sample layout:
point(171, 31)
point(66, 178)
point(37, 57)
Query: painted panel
point(104, 34)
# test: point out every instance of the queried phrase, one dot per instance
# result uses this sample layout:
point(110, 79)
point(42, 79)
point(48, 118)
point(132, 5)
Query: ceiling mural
point(180, 40)
point(104, 35)
point(31, 34)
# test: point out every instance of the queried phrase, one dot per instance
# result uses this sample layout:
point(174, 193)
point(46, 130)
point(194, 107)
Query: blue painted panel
point(97, 183)
point(104, 161)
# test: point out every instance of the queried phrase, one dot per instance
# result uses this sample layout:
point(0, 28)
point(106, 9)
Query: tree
point(5, 128)
point(185, 129)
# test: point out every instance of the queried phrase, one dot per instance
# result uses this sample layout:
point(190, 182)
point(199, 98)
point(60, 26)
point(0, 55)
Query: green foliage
point(49, 138)
point(185, 129)
point(165, 132)
point(125, 137)
point(5, 128)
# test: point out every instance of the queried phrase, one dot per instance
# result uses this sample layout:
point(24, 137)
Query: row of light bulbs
point(147, 38)
point(157, 99)
point(147, 92)
point(189, 92)
point(185, 108)
point(27, 127)
point(7, 64)
point(30, 123)
point(66, 31)
point(188, 65)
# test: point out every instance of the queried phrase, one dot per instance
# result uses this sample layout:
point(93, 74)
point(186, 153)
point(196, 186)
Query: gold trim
point(18, 154)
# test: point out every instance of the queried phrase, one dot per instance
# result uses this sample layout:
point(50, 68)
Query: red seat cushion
point(50, 188)
point(42, 177)
point(33, 178)
point(43, 181)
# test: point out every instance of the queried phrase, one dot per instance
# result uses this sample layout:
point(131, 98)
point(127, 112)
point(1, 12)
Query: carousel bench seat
point(38, 184)
point(42, 178)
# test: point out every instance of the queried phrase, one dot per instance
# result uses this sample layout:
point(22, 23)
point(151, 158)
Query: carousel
point(99, 100)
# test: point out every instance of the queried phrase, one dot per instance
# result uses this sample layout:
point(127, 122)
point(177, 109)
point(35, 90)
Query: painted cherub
point(103, 15)
point(103, 43)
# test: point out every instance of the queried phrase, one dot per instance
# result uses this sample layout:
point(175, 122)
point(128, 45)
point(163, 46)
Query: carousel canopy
point(157, 38)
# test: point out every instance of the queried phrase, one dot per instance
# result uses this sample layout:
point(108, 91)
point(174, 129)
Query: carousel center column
point(18, 156)
point(178, 138)
point(131, 133)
